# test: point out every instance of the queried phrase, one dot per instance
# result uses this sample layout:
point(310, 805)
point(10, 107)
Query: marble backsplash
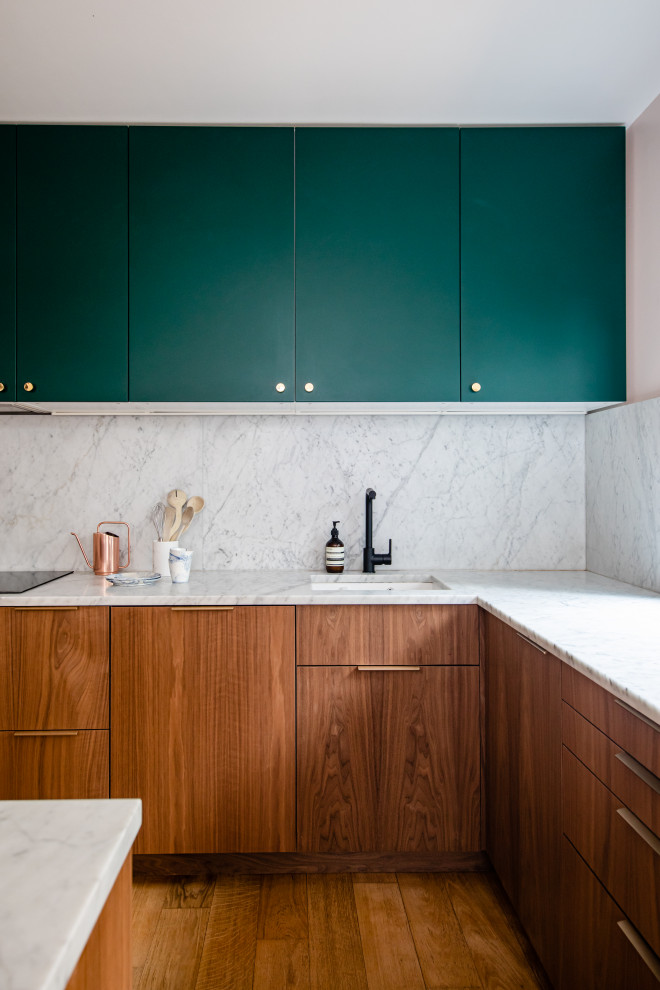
point(454, 491)
point(623, 493)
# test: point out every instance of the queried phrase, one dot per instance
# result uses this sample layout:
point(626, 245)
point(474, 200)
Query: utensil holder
point(161, 555)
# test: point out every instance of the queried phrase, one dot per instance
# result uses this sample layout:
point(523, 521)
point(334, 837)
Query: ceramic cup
point(180, 561)
point(161, 556)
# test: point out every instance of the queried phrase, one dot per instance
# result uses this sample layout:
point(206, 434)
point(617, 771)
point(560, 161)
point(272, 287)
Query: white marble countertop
point(229, 588)
point(58, 863)
point(604, 628)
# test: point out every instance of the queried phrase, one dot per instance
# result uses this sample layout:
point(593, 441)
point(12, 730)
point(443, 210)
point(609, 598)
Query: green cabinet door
point(377, 280)
point(7, 262)
point(211, 263)
point(72, 262)
point(543, 264)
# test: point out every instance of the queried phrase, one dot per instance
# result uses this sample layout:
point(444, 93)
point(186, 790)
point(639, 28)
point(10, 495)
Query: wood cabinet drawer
point(59, 668)
point(388, 761)
point(637, 734)
point(618, 847)
point(632, 783)
point(409, 635)
point(54, 767)
point(597, 951)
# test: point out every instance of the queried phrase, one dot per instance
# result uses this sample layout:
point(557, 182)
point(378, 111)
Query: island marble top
point(608, 630)
point(58, 863)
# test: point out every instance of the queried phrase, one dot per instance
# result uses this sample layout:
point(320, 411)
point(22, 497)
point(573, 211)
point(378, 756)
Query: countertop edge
point(615, 688)
point(614, 667)
point(66, 959)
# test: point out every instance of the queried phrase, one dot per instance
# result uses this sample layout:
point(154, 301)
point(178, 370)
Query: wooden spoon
point(186, 520)
point(177, 499)
point(197, 502)
point(168, 522)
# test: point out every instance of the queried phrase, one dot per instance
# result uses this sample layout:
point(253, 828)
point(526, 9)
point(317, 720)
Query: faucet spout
point(370, 496)
point(369, 558)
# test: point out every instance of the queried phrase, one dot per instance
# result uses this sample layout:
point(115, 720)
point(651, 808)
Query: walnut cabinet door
point(203, 726)
point(523, 781)
point(388, 759)
point(60, 664)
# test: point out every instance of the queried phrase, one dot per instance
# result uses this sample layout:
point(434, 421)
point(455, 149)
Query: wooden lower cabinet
point(523, 781)
point(611, 813)
point(387, 634)
point(53, 767)
point(388, 760)
point(622, 852)
point(633, 732)
point(54, 702)
point(203, 726)
point(6, 692)
point(601, 950)
point(54, 667)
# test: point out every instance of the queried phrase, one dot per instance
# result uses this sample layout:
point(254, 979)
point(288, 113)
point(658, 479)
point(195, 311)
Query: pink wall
point(643, 247)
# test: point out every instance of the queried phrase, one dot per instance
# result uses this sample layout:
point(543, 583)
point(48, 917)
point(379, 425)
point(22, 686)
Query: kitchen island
point(66, 876)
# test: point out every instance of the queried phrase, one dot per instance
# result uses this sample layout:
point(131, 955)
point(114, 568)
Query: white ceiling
point(353, 61)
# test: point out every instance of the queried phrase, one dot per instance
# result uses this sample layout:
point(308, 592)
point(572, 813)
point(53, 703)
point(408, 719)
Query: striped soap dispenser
point(334, 551)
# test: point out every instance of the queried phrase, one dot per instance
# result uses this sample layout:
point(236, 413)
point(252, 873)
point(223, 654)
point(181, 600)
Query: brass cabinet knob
point(280, 387)
point(309, 387)
point(29, 387)
point(2, 386)
point(475, 386)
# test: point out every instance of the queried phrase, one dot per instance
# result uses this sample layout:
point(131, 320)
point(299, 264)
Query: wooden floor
point(407, 931)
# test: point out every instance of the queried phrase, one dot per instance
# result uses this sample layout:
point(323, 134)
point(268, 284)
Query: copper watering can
point(106, 549)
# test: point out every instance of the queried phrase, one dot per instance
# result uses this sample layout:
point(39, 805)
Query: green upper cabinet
point(7, 262)
point(377, 279)
point(211, 264)
point(72, 263)
point(543, 264)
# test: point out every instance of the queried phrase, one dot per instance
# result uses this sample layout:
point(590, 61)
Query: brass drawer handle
point(369, 668)
point(202, 608)
point(641, 947)
point(633, 711)
point(649, 837)
point(46, 608)
point(639, 771)
point(531, 642)
point(47, 732)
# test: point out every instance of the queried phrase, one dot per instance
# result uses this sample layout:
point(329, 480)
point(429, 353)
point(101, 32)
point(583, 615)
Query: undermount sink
point(379, 585)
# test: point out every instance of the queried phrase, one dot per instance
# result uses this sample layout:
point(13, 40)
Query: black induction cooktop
point(14, 582)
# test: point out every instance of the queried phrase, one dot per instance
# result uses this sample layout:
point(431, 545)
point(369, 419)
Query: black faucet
point(370, 558)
